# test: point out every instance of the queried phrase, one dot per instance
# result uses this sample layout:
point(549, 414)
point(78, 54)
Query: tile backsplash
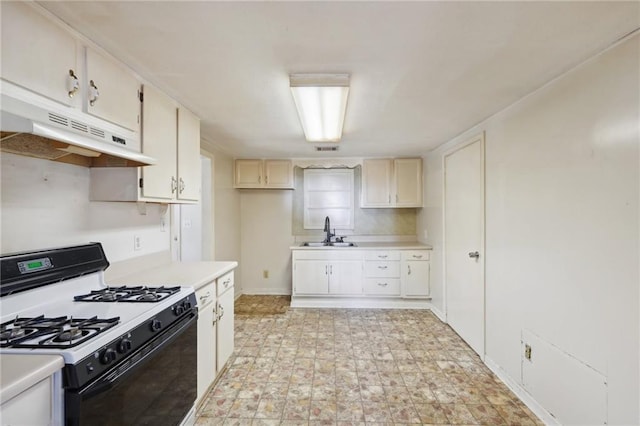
point(367, 221)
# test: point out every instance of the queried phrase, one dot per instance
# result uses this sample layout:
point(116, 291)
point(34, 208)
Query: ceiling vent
point(326, 148)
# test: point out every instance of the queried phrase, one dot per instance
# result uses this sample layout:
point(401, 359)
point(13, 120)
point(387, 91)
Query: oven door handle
point(143, 354)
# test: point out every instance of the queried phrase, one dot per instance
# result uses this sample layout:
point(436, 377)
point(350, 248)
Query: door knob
point(474, 254)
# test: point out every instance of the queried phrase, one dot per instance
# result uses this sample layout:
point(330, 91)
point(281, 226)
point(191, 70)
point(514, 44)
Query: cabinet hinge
point(141, 183)
point(141, 96)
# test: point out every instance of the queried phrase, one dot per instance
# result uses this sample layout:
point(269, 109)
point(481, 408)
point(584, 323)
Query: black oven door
point(154, 386)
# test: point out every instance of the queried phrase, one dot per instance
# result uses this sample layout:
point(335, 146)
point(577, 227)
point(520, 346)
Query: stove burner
point(108, 296)
point(128, 294)
point(148, 297)
point(60, 332)
point(13, 333)
point(70, 335)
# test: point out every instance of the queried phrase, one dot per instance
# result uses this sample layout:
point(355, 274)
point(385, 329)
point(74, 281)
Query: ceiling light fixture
point(321, 100)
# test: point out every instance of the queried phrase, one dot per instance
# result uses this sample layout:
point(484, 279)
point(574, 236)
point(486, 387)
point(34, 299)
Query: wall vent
point(326, 148)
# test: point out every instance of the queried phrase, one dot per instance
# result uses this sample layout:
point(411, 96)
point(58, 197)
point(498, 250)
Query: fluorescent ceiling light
point(321, 100)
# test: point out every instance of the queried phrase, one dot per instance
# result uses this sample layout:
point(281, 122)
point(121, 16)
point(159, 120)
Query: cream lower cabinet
point(207, 337)
point(225, 337)
point(327, 272)
point(414, 270)
point(394, 273)
point(34, 406)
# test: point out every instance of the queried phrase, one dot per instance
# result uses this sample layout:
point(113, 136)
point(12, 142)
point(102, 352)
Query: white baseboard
point(437, 312)
point(268, 291)
point(521, 393)
point(356, 302)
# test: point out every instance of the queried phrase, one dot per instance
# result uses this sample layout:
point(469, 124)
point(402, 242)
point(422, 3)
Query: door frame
point(480, 137)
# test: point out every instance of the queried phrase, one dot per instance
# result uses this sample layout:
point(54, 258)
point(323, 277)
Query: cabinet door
point(159, 122)
point(407, 174)
point(376, 183)
point(189, 174)
point(248, 174)
point(310, 277)
point(415, 279)
point(37, 53)
point(225, 326)
point(206, 348)
point(118, 90)
point(278, 174)
point(345, 277)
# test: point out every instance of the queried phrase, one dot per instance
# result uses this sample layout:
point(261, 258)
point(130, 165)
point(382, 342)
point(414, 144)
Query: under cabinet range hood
point(42, 129)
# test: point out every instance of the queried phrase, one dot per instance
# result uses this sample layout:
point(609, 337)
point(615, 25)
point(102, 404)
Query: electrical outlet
point(527, 351)
point(265, 273)
point(137, 242)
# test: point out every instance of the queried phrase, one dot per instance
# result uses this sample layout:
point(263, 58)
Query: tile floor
point(354, 366)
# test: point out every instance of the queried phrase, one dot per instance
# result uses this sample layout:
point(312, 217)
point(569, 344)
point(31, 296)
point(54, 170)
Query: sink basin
point(313, 244)
point(343, 244)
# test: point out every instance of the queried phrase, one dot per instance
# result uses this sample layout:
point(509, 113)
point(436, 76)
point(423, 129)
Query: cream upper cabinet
point(376, 182)
point(248, 174)
point(159, 132)
point(38, 54)
point(278, 174)
point(171, 135)
point(112, 92)
point(391, 183)
point(189, 170)
point(268, 174)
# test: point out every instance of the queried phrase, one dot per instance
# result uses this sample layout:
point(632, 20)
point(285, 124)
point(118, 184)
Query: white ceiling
point(421, 72)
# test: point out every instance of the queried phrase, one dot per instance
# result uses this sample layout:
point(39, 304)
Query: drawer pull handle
point(73, 85)
point(226, 282)
point(382, 267)
point(383, 284)
point(417, 256)
point(221, 309)
point(205, 296)
point(215, 316)
point(381, 256)
point(408, 269)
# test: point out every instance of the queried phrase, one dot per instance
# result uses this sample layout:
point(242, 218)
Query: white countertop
point(19, 372)
point(397, 245)
point(192, 274)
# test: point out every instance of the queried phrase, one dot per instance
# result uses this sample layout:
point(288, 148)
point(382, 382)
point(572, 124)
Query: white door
point(464, 241)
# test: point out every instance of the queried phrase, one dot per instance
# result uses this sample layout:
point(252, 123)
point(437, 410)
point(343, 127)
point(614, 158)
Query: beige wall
point(226, 214)
point(562, 227)
point(266, 238)
point(46, 204)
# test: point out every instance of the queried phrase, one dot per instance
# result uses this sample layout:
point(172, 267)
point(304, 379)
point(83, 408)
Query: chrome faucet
point(327, 229)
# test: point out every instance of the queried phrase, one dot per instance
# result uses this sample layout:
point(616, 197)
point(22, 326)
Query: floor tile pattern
point(355, 367)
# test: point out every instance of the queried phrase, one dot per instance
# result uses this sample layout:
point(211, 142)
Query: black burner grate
point(140, 294)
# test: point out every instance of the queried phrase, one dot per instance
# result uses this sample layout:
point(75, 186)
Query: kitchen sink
point(314, 244)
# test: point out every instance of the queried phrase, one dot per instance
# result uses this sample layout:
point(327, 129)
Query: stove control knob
point(178, 309)
point(108, 356)
point(187, 305)
point(124, 346)
point(156, 325)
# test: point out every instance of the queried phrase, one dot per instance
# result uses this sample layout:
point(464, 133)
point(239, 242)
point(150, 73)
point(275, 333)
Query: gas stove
point(57, 302)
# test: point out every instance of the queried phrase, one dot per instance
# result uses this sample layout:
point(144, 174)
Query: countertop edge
point(20, 372)
point(371, 246)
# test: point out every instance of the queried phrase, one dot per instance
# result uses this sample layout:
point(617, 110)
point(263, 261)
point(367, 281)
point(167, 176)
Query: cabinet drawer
point(415, 255)
point(225, 282)
point(382, 255)
point(382, 286)
point(206, 294)
point(382, 269)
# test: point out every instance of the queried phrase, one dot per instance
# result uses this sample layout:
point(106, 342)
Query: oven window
point(159, 391)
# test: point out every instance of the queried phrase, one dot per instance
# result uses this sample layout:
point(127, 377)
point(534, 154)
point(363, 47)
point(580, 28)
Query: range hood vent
point(34, 130)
